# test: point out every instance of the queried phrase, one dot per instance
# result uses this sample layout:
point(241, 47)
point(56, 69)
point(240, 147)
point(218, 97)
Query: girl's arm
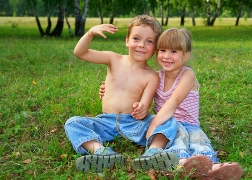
point(141, 109)
point(185, 85)
point(82, 50)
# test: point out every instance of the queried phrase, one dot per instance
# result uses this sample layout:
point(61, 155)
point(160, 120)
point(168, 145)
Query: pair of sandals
point(200, 167)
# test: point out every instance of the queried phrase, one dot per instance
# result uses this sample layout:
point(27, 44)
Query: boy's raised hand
point(139, 111)
point(100, 29)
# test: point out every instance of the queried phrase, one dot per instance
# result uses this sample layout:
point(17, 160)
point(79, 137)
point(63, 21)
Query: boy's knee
point(71, 119)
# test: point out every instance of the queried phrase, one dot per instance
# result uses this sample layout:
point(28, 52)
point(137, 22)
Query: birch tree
point(49, 5)
point(80, 17)
point(194, 4)
point(238, 8)
point(216, 11)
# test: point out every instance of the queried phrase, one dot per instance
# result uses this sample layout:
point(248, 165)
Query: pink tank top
point(188, 110)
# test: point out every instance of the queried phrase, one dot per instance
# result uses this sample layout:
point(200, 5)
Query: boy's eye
point(135, 38)
point(149, 42)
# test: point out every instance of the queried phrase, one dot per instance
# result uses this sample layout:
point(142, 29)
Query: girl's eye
point(162, 50)
point(135, 38)
point(173, 51)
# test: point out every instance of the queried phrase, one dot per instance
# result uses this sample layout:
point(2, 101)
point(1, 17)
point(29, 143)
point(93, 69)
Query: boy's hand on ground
point(100, 29)
point(139, 111)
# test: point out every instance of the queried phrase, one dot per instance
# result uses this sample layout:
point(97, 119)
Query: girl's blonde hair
point(147, 21)
point(175, 39)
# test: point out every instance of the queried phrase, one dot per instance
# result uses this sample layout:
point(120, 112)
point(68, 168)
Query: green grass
point(42, 85)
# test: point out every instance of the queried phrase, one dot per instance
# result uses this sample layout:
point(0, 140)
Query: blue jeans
point(103, 128)
point(190, 141)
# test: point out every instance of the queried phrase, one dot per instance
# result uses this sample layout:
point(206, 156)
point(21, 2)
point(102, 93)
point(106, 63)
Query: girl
point(178, 96)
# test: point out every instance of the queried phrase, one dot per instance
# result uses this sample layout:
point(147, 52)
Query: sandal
point(226, 171)
point(165, 161)
point(196, 166)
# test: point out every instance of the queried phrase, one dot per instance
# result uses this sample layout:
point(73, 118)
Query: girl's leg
point(180, 145)
point(197, 162)
point(200, 144)
point(188, 166)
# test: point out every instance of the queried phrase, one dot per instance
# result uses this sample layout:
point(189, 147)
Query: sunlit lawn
point(42, 84)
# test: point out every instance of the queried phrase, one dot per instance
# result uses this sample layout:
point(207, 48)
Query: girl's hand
point(139, 111)
point(100, 29)
point(102, 90)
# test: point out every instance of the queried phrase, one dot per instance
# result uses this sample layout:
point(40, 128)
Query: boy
point(131, 85)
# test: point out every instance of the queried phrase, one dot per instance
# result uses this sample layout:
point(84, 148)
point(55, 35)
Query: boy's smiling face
point(141, 42)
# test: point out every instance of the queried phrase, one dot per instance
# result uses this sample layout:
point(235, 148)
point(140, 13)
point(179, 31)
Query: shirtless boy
point(131, 85)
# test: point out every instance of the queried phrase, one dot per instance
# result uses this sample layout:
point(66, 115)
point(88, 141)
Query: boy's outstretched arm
point(82, 50)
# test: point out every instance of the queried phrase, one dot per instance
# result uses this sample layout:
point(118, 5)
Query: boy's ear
point(127, 41)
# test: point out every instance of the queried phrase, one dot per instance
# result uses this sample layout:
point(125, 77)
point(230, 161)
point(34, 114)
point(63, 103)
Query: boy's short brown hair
point(148, 21)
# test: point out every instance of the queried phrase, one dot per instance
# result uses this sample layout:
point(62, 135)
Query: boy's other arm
point(184, 86)
point(141, 109)
point(82, 50)
point(102, 90)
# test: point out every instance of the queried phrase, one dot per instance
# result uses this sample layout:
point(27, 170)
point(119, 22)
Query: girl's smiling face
point(171, 60)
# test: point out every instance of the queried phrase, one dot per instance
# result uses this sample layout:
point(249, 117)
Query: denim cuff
point(211, 154)
point(181, 153)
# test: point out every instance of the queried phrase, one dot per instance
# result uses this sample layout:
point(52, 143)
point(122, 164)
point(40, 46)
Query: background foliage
point(210, 10)
point(42, 85)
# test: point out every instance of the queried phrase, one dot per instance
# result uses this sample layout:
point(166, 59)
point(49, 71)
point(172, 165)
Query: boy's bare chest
point(129, 80)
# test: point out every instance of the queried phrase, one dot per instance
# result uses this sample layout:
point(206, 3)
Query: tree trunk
point(182, 21)
point(68, 24)
point(238, 14)
point(167, 13)
point(101, 16)
point(49, 25)
point(80, 20)
point(100, 12)
point(162, 14)
point(208, 13)
point(111, 20)
point(237, 21)
point(193, 18)
point(77, 16)
point(60, 23)
point(216, 14)
point(83, 18)
point(41, 31)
